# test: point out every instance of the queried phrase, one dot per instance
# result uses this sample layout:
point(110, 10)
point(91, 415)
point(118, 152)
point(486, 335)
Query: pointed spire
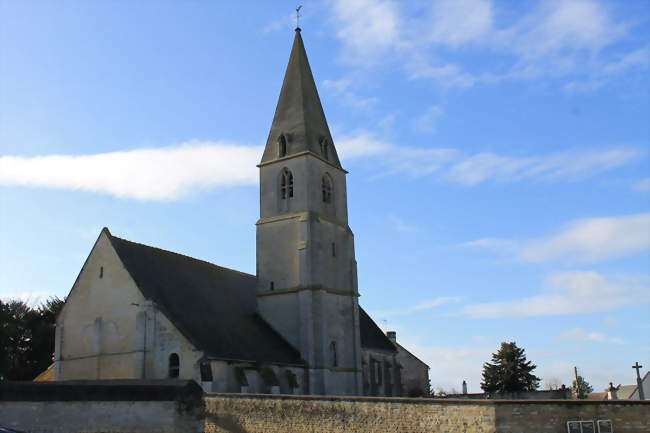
point(299, 124)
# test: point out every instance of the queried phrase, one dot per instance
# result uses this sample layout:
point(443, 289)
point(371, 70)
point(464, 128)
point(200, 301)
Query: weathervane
point(298, 17)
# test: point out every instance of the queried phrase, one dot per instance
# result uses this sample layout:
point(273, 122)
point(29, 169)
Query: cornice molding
point(296, 155)
point(314, 287)
point(305, 216)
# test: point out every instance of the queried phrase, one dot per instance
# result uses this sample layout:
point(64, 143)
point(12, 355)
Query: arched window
point(324, 147)
point(334, 355)
point(326, 186)
point(174, 365)
point(286, 184)
point(282, 146)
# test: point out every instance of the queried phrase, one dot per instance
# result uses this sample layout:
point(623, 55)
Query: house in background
point(624, 392)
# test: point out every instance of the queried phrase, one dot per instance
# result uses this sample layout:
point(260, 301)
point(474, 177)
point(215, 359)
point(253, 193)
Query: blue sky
point(498, 156)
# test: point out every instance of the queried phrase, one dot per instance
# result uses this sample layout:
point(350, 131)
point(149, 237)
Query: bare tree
point(552, 383)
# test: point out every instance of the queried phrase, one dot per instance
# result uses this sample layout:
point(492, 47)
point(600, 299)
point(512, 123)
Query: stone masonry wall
point(98, 417)
point(299, 414)
point(552, 416)
point(126, 406)
point(109, 406)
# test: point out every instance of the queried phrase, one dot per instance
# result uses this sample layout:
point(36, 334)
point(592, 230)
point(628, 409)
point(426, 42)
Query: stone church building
point(296, 327)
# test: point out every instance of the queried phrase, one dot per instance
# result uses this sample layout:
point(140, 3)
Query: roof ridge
point(181, 255)
point(411, 353)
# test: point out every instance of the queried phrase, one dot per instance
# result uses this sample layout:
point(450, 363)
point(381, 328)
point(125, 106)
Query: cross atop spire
point(298, 17)
point(299, 124)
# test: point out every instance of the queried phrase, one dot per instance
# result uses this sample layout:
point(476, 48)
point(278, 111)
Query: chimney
point(392, 336)
point(612, 391)
point(464, 387)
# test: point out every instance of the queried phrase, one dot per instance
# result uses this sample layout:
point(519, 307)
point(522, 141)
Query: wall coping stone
point(102, 390)
point(423, 401)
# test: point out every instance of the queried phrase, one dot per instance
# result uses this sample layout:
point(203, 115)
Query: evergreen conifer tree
point(26, 338)
point(509, 371)
point(581, 388)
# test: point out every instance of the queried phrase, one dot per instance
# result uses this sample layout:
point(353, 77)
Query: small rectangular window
point(101, 272)
point(588, 427)
point(605, 426)
point(333, 249)
point(272, 286)
point(581, 427)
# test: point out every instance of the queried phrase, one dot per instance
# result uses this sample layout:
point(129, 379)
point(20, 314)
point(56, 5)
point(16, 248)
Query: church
point(296, 327)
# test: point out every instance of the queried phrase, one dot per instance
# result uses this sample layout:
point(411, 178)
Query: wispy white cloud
point(447, 74)
point(400, 225)
point(610, 321)
point(428, 121)
point(169, 173)
point(580, 335)
point(559, 27)
point(643, 185)
point(555, 39)
point(568, 293)
point(636, 59)
point(586, 240)
point(426, 304)
point(455, 22)
point(286, 22)
point(369, 28)
point(342, 88)
point(497, 244)
point(452, 165)
point(594, 239)
point(417, 161)
point(143, 174)
point(361, 144)
point(564, 165)
point(437, 302)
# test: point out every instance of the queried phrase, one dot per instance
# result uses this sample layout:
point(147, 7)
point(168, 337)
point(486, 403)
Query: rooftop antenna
point(298, 17)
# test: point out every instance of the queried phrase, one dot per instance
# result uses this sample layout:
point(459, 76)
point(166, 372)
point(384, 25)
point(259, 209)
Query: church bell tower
point(306, 268)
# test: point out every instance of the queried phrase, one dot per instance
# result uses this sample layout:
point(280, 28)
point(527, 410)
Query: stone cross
point(639, 383)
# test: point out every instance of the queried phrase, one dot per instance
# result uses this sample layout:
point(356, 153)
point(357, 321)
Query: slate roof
point(213, 307)
point(399, 346)
point(371, 336)
point(299, 113)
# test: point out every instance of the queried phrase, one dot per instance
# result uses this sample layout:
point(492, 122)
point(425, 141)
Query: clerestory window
point(286, 184)
point(282, 146)
point(174, 366)
point(326, 187)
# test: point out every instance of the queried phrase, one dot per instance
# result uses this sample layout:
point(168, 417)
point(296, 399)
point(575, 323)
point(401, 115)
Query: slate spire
point(299, 124)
